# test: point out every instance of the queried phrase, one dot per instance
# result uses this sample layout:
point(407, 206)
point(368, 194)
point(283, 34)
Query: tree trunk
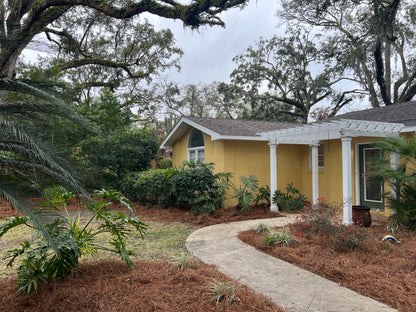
point(387, 68)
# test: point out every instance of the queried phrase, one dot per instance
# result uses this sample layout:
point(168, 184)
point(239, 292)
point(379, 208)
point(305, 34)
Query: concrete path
point(287, 285)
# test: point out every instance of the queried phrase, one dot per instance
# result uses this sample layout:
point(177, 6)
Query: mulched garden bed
point(160, 213)
point(382, 271)
point(148, 286)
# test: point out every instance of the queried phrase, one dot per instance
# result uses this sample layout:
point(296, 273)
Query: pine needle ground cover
point(383, 271)
point(160, 279)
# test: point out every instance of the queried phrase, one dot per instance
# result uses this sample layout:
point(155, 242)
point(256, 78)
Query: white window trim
point(365, 179)
point(197, 150)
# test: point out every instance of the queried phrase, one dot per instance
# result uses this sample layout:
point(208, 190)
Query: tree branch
point(102, 62)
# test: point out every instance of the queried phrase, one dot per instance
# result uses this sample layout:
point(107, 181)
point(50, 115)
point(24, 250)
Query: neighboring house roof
point(404, 113)
point(223, 129)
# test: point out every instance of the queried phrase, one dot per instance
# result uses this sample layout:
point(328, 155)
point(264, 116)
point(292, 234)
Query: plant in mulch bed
point(281, 237)
point(289, 200)
point(58, 243)
point(184, 261)
point(263, 229)
point(322, 220)
point(224, 292)
point(246, 192)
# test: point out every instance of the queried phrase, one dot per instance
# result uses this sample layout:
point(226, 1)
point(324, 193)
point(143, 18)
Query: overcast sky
point(208, 52)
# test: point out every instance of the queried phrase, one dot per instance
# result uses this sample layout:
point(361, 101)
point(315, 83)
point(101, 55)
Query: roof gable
point(223, 129)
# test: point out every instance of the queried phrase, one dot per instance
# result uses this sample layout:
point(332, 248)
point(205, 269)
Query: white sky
point(208, 52)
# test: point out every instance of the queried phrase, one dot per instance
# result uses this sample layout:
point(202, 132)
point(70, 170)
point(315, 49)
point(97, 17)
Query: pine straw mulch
point(159, 213)
point(382, 271)
point(148, 286)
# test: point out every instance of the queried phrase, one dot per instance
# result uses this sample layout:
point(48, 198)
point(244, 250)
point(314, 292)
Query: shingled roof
point(224, 129)
point(239, 127)
point(404, 113)
point(231, 129)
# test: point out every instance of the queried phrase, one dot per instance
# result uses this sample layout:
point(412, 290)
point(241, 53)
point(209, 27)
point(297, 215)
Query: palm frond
point(37, 153)
point(25, 108)
point(9, 188)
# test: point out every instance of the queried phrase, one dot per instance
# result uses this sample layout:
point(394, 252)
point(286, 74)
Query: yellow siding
point(292, 161)
point(243, 158)
point(214, 153)
point(180, 150)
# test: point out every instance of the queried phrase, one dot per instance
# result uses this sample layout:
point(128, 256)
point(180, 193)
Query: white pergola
point(312, 134)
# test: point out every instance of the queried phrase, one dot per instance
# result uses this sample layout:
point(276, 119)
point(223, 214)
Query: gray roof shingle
point(404, 113)
point(239, 127)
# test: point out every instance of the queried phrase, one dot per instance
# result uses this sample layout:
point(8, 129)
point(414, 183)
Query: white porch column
point(315, 173)
point(346, 180)
point(394, 164)
point(273, 175)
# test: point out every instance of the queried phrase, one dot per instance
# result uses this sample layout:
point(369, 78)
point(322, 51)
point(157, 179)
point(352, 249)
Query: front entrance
point(371, 185)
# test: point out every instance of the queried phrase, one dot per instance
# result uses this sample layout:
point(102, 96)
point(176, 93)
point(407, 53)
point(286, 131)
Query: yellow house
point(330, 158)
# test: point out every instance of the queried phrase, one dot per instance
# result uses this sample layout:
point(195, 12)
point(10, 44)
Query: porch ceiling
point(335, 129)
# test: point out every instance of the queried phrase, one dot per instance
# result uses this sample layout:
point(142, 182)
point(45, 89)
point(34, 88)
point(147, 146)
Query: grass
point(163, 241)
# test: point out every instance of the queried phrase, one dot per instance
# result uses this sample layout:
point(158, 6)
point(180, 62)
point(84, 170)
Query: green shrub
point(151, 187)
point(196, 186)
point(322, 220)
point(192, 186)
point(291, 200)
point(165, 163)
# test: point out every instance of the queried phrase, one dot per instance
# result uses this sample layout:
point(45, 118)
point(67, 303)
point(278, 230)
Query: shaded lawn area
point(154, 283)
point(382, 271)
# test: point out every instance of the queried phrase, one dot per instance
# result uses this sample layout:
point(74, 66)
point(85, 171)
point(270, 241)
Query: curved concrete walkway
point(287, 285)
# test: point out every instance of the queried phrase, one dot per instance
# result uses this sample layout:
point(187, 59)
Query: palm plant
point(404, 177)
point(246, 192)
point(27, 167)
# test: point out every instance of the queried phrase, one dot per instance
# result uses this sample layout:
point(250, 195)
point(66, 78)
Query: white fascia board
point(171, 134)
point(408, 129)
point(238, 137)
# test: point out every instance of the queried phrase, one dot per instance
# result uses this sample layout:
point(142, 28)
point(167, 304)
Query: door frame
point(358, 189)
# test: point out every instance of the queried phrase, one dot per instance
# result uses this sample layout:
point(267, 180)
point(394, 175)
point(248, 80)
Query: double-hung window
point(196, 146)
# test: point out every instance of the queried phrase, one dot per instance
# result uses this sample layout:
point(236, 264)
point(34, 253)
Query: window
point(321, 159)
point(196, 146)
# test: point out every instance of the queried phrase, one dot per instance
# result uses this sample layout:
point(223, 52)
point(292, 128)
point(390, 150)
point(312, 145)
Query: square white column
point(315, 173)
point(394, 164)
point(273, 175)
point(346, 180)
